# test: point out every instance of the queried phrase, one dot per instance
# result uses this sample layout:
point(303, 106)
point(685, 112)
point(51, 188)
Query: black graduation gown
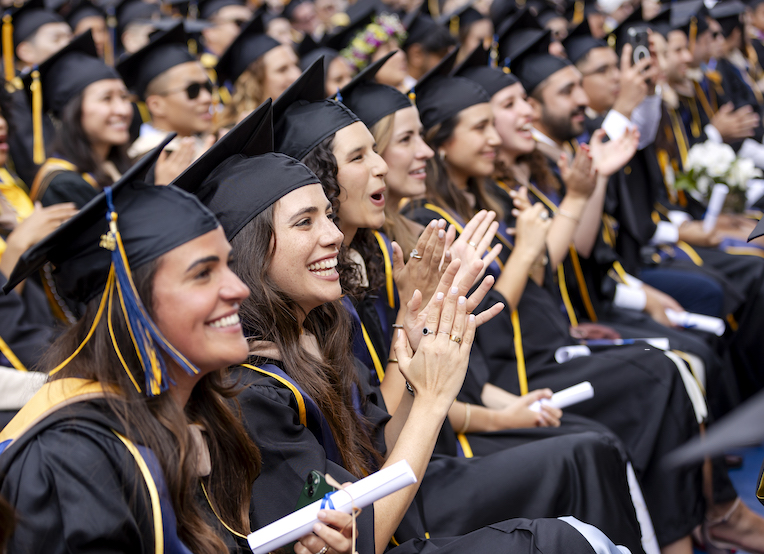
point(290, 450)
point(68, 186)
point(626, 380)
point(75, 487)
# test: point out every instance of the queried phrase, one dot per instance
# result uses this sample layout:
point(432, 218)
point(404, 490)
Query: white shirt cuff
point(615, 124)
point(629, 297)
point(677, 217)
point(665, 233)
point(712, 134)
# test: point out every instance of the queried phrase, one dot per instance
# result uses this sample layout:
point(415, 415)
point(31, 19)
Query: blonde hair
point(248, 94)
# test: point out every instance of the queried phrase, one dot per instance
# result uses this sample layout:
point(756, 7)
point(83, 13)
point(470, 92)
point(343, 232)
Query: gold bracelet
point(467, 414)
point(563, 213)
point(392, 360)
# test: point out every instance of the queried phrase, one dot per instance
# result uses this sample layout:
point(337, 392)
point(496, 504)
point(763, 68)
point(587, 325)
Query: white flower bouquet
point(709, 163)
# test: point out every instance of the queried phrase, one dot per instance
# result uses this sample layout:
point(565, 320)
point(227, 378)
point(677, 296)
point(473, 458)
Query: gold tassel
point(611, 40)
point(453, 26)
point(578, 12)
point(109, 46)
point(434, 8)
point(192, 47)
point(8, 54)
point(693, 33)
point(38, 150)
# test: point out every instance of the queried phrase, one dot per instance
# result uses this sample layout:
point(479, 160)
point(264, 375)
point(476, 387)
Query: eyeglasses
point(192, 91)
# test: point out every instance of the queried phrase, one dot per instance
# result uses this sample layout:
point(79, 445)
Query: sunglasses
point(193, 90)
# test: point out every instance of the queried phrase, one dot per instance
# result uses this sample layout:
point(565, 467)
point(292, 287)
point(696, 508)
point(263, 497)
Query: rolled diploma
point(566, 397)
point(567, 353)
point(715, 205)
point(702, 322)
point(360, 494)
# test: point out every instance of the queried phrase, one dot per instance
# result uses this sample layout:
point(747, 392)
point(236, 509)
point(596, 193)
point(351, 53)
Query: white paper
point(697, 321)
point(566, 397)
point(360, 494)
point(715, 205)
point(567, 353)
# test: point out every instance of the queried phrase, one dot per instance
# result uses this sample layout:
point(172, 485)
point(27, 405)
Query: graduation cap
point(475, 67)
point(520, 29)
point(165, 50)
point(135, 11)
point(418, 24)
point(460, 19)
point(303, 118)
point(728, 15)
point(95, 252)
point(741, 427)
point(341, 37)
point(248, 46)
point(757, 231)
point(545, 16)
point(190, 26)
point(369, 100)
point(83, 10)
point(240, 175)
point(580, 41)
point(208, 8)
point(500, 10)
point(689, 16)
point(440, 97)
point(19, 23)
point(326, 54)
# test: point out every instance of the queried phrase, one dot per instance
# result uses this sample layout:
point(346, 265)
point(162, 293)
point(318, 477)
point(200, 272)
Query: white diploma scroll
point(360, 494)
point(566, 397)
point(567, 353)
point(715, 205)
point(697, 321)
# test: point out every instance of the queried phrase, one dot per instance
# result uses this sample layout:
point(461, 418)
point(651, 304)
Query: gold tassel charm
point(8, 54)
point(38, 149)
point(453, 26)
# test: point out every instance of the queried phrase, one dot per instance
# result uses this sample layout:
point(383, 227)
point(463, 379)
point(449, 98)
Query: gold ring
point(457, 340)
point(324, 550)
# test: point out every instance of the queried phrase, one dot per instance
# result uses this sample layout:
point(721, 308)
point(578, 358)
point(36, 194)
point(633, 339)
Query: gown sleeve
point(68, 186)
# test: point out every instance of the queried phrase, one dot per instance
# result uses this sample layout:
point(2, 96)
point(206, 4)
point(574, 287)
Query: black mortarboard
point(475, 67)
point(291, 6)
point(741, 427)
point(728, 14)
point(418, 24)
point(520, 29)
point(303, 117)
point(343, 36)
point(248, 46)
point(580, 41)
point(165, 50)
point(440, 97)
point(460, 19)
point(208, 8)
point(689, 16)
point(190, 26)
point(78, 58)
point(500, 10)
point(152, 221)
point(29, 17)
point(546, 16)
point(532, 64)
point(758, 230)
point(131, 11)
point(82, 10)
point(369, 100)
point(240, 175)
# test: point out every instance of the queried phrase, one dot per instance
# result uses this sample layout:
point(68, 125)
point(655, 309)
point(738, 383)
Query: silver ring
point(444, 332)
point(544, 216)
point(427, 331)
point(324, 550)
point(472, 244)
point(415, 254)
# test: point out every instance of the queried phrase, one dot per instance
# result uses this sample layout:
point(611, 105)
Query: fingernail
point(462, 300)
point(472, 318)
point(454, 290)
point(433, 223)
point(317, 528)
point(439, 296)
point(441, 234)
point(442, 223)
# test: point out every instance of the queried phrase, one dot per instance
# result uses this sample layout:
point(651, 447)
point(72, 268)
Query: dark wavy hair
point(160, 424)
point(73, 144)
point(269, 314)
point(322, 162)
point(442, 191)
point(541, 174)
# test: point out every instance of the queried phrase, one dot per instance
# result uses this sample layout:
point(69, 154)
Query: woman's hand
point(531, 230)
point(171, 164)
point(474, 243)
point(436, 372)
point(416, 314)
point(610, 157)
point(332, 533)
point(520, 198)
point(579, 177)
point(421, 274)
point(518, 415)
point(656, 304)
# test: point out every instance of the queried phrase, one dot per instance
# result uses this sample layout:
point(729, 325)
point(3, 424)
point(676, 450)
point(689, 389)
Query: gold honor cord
point(373, 353)
point(388, 269)
point(466, 448)
point(522, 376)
point(565, 297)
point(8, 353)
point(298, 396)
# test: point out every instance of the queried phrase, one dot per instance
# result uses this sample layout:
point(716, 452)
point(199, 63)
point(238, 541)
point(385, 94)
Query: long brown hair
point(442, 191)
point(160, 424)
point(247, 94)
point(541, 174)
point(269, 314)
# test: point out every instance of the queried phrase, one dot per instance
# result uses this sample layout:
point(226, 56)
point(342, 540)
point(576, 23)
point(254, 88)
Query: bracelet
point(397, 326)
point(563, 213)
point(410, 389)
point(392, 360)
point(467, 414)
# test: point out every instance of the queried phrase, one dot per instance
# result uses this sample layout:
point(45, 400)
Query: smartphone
point(640, 43)
point(315, 488)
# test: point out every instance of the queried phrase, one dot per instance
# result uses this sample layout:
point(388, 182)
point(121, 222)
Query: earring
point(442, 154)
